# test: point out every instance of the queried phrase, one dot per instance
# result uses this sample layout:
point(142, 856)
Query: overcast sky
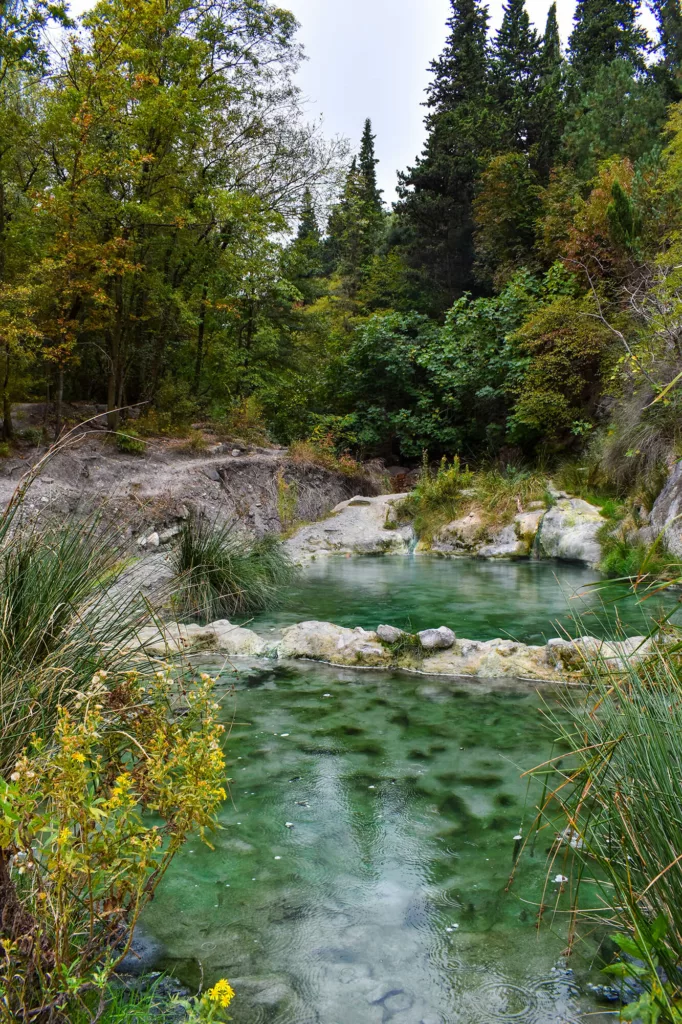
point(369, 58)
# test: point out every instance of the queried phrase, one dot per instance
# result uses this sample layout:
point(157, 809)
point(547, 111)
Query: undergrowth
point(321, 449)
point(220, 572)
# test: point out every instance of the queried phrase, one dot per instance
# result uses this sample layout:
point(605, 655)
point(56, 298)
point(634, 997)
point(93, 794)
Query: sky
point(369, 58)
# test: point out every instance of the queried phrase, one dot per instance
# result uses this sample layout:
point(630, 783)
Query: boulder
point(355, 527)
point(569, 531)
point(436, 639)
point(461, 536)
point(323, 641)
point(221, 636)
point(666, 514)
point(389, 634)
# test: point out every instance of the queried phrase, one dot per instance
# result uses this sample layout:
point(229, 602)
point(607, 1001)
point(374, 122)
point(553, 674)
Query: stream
point(361, 873)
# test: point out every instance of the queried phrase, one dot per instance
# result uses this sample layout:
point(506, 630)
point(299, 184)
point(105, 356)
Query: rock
point(174, 638)
point(323, 641)
point(168, 534)
point(569, 531)
point(153, 540)
point(389, 634)
point(356, 527)
point(436, 639)
point(235, 452)
point(461, 536)
point(666, 514)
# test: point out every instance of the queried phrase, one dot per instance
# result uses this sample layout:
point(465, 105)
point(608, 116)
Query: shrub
point(246, 421)
point(438, 497)
point(321, 450)
point(130, 442)
point(80, 854)
point(287, 501)
point(220, 572)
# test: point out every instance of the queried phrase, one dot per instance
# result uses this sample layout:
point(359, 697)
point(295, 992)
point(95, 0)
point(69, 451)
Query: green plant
point(438, 496)
point(196, 442)
point(407, 643)
point(5, 450)
point(211, 1006)
point(80, 852)
point(130, 442)
point(59, 619)
point(287, 500)
point(125, 1006)
point(620, 791)
point(320, 449)
point(220, 572)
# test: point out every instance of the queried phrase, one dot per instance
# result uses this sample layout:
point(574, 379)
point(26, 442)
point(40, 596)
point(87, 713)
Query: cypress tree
point(368, 163)
point(604, 31)
point(463, 126)
point(669, 21)
point(517, 72)
point(549, 109)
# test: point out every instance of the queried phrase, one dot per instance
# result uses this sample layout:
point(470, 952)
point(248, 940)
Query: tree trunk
point(59, 398)
point(7, 426)
point(200, 339)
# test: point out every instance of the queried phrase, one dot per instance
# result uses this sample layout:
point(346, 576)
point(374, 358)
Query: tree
point(604, 31)
point(550, 105)
point(367, 166)
point(668, 15)
point(516, 70)
point(505, 211)
point(464, 127)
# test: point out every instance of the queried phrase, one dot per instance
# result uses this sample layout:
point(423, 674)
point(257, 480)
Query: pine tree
point(549, 108)
point(461, 71)
point(604, 31)
point(669, 21)
point(517, 72)
point(463, 127)
point(307, 225)
point(368, 163)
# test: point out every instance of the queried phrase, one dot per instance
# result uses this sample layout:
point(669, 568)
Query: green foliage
point(130, 442)
point(287, 501)
point(219, 572)
point(80, 855)
point(605, 31)
point(621, 784)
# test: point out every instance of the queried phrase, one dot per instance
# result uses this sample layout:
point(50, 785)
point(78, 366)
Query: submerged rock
point(569, 532)
point(359, 526)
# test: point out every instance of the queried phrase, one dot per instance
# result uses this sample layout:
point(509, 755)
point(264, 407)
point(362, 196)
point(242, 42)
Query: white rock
point(389, 634)
point(436, 639)
point(153, 540)
point(355, 527)
point(569, 532)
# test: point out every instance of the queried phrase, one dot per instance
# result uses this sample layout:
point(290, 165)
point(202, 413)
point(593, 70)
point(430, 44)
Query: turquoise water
point(361, 875)
point(529, 601)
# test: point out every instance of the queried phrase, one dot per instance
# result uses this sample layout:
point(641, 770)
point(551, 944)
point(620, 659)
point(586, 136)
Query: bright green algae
point(529, 601)
point(386, 899)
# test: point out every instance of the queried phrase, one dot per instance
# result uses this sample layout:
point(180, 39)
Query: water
point(528, 601)
point(386, 900)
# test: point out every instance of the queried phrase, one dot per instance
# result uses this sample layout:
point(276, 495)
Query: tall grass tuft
point(220, 572)
point(621, 793)
point(65, 612)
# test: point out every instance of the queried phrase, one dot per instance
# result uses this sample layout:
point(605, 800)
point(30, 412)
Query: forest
point(175, 232)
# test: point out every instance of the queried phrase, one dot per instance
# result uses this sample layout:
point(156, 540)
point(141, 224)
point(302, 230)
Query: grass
point(128, 1006)
point(59, 619)
point(621, 792)
point(453, 491)
point(219, 572)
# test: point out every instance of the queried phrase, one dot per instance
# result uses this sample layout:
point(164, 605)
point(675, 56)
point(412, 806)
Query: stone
point(461, 536)
point(174, 638)
point(436, 639)
point(666, 514)
point(324, 641)
point(355, 527)
point(569, 532)
point(235, 452)
point(168, 534)
point(153, 540)
point(389, 634)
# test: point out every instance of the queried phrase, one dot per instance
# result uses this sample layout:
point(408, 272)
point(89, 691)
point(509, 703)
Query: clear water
point(528, 601)
point(387, 899)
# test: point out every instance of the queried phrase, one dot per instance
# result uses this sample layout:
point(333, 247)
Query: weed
point(320, 449)
point(196, 442)
point(287, 501)
point(130, 442)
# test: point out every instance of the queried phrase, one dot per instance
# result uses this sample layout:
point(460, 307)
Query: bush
point(219, 572)
point(321, 449)
point(80, 854)
point(130, 442)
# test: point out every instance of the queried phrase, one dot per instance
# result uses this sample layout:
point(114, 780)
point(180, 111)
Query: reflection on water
point(481, 600)
point(360, 876)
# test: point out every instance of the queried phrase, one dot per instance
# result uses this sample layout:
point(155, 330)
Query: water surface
point(528, 601)
point(361, 875)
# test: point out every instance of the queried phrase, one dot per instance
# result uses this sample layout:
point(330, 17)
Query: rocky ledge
point(370, 526)
point(436, 652)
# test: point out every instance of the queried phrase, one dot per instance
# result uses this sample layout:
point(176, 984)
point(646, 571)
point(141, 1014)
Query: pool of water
point(528, 601)
point(361, 873)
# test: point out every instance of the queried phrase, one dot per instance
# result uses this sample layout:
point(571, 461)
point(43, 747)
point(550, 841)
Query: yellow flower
point(222, 993)
point(79, 757)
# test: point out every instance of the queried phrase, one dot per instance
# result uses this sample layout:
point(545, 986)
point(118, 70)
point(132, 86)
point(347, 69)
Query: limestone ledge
point(557, 660)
